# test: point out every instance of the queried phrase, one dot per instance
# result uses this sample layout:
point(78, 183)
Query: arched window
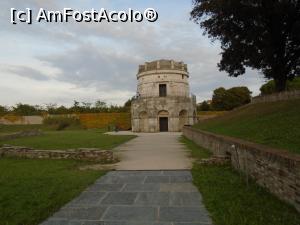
point(183, 118)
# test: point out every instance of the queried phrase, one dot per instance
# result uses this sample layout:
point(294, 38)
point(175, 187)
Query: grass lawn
point(70, 139)
point(231, 202)
point(195, 151)
point(31, 190)
point(276, 124)
point(7, 129)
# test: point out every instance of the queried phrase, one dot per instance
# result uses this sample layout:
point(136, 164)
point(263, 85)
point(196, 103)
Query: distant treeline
point(77, 107)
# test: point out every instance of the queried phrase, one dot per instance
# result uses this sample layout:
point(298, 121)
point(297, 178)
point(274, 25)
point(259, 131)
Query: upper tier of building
point(163, 65)
point(163, 78)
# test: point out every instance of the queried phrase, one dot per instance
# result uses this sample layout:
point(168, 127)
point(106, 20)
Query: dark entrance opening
point(163, 124)
point(162, 90)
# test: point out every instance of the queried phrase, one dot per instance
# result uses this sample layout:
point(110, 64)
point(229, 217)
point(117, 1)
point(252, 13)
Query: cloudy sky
point(60, 62)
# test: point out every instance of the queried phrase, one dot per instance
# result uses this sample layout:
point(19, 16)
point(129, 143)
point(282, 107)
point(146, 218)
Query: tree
point(100, 105)
point(204, 106)
point(62, 110)
point(3, 110)
point(229, 99)
point(269, 87)
point(260, 34)
point(218, 102)
point(26, 110)
point(127, 104)
point(238, 96)
point(51, 108)
point(87, 105)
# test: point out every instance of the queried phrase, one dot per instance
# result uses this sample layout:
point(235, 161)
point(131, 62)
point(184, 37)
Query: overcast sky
point(58, 63)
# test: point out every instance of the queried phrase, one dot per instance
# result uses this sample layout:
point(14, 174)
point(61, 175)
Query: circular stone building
point(163, 101)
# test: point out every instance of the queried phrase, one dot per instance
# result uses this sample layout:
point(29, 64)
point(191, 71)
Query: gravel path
point(153, 151)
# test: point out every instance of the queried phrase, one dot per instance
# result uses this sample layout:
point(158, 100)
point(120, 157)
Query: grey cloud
point(91, 66)
point(24, 71)
point(106, 56)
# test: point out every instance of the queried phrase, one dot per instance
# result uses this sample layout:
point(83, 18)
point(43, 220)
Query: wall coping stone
point(292, 159)
point(251, 145)
point(89, 154)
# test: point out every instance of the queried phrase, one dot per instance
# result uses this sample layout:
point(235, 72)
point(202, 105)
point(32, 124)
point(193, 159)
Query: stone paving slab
point(142, 187)
point(185, 199)
point(119, 198)
point(183, 214)
point(98, 187)
point(131, 213)
point(136, 198)
point(153, 198)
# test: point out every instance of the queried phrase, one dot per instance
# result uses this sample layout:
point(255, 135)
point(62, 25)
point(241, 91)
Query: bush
point(61, 122)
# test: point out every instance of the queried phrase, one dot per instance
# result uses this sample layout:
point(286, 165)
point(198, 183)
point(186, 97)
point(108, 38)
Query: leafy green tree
point(62, 110)
point(127, 105)
point(86, 105)
point(229, 99)
point(51, 108)
point(218, 102)
point(3, 110)
point(260, 34)
point(204, 106)
point(76, 108)
point(100, 106)
point(26, 110)
point(269, 87)
point(237, 96)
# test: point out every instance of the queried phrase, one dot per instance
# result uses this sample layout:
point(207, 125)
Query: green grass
point(70, 139)
point(231, 202)
point(7, 129)
point(195, 151)
point(274, 124)
point(31, 190)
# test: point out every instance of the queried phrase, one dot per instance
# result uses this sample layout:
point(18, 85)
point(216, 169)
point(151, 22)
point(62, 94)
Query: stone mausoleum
point(163, 101)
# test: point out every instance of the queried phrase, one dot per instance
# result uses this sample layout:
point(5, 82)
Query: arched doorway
point(163, 121)
point(143, 122)
point(183, 118)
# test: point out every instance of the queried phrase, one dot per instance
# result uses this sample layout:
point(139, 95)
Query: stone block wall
point(86, 154)
point(274, 169)
point(151, 109)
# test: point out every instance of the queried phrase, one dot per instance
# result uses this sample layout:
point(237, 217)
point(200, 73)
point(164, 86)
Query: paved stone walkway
point(153, 151)
point(136, 198)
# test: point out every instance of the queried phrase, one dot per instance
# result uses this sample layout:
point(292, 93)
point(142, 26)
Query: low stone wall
point(276, 170)
point(86, 154)
point(281, 96)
